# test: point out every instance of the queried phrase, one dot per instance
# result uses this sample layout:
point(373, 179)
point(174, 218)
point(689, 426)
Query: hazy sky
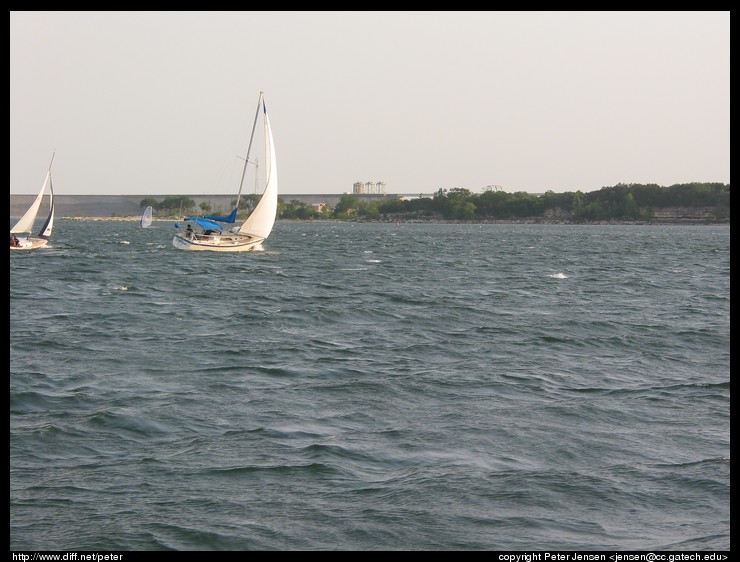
point(160, 103)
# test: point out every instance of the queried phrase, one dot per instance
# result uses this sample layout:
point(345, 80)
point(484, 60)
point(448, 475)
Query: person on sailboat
point(189, 231)
point(14, 241)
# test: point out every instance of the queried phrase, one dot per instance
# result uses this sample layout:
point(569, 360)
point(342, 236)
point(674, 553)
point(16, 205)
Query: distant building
point(369, 188)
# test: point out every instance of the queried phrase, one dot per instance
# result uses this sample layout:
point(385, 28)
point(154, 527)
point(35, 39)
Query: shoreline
point(696, 222)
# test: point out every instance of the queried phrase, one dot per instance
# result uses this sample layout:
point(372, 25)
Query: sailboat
point(146, 217)
point(214, 233)
point(20, 235)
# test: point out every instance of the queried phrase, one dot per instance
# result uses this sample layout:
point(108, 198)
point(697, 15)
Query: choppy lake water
point(372, 387)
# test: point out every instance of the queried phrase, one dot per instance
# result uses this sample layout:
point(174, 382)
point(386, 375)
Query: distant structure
point(369, 188)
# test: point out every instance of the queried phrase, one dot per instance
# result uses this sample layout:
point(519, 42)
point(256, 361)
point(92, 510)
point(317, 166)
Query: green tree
point(149, 201)
point(177, 203)
point(347, 204)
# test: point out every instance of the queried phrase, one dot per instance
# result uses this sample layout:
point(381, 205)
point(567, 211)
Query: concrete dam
point(130, 205)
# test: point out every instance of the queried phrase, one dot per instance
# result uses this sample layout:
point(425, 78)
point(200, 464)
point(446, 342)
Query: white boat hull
point(218, 243)
point(30, 244)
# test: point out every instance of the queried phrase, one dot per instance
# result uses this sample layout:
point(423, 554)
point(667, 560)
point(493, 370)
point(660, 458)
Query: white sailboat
point(146, 217)
point(21, 237)
point(213, 233)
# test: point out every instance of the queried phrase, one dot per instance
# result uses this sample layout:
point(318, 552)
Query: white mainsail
point(26, 222)
point(262, 219)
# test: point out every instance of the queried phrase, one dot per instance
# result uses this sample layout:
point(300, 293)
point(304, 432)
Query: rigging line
point(249, 148)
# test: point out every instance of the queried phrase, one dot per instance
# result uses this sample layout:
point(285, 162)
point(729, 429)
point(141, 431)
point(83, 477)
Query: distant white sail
point(146, 217)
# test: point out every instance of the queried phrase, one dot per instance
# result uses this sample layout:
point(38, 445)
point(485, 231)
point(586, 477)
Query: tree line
point(622, 202)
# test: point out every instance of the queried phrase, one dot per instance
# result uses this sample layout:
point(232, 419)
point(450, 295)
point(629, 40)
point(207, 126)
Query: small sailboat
point(21, 237)
point(214, 233)
point(146, 217)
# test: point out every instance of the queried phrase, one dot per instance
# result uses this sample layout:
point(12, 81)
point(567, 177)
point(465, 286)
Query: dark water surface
point(372, 387)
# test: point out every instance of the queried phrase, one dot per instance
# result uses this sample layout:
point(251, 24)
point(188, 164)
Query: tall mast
point(249, 148)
